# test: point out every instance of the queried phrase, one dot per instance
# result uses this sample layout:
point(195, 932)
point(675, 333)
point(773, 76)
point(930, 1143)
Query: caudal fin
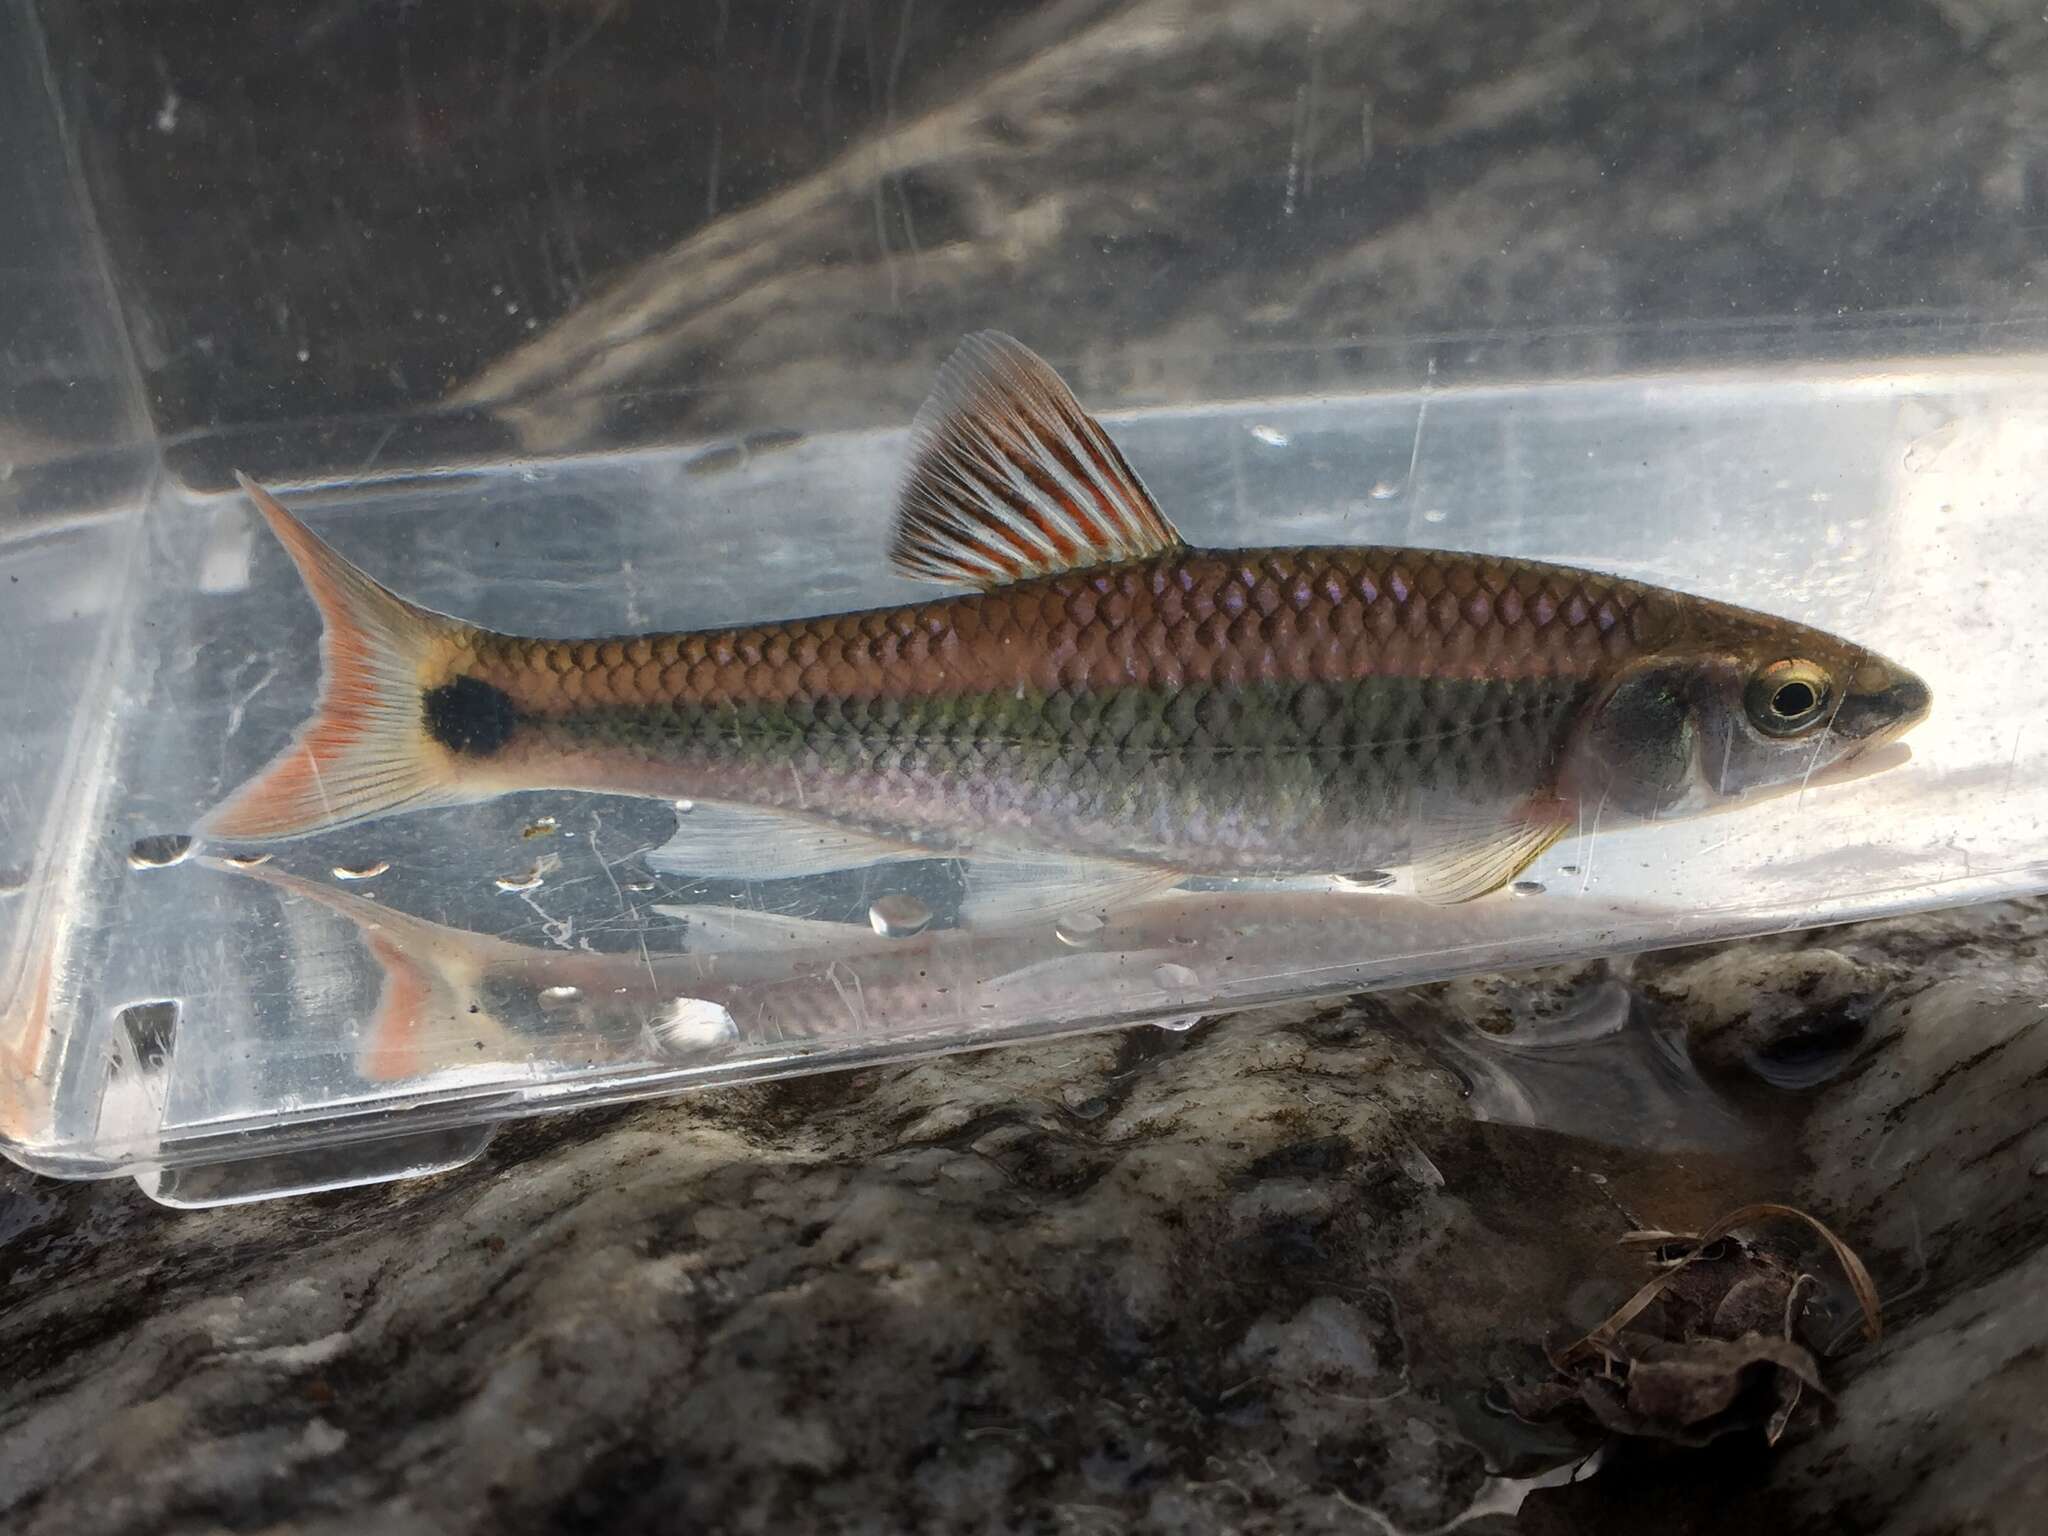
point(366, 751)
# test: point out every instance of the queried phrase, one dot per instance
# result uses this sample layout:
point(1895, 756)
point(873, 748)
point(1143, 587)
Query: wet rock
point(1262, 1284)
point(1543, 1005)
point(1929, 1149)
point(1791, 1017)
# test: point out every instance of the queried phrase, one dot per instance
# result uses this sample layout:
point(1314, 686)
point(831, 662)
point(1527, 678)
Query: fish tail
point(369, 748)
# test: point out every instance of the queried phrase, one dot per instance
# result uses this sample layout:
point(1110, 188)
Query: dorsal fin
point(1011, 478)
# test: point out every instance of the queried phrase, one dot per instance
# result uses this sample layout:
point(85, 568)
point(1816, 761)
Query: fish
point(1106, 710)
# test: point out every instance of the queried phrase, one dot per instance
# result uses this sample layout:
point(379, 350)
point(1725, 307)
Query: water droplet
point(694, 1021)
point(1180, 1023)
point(540, 826)
point(773, 439)
point(1083, 930)
point(361, 871)
point(1175, 978)
point(248, 860)
point(1527, 887)
point(1367, 880)
point(165, 848)
point(684, 807)
point(1435, 515)
point(560, 994)
point(1385, 490)
point(1925, 451)
point(898, 916)
point(1272, 437)
point(304, 354)
point(1418, 1165)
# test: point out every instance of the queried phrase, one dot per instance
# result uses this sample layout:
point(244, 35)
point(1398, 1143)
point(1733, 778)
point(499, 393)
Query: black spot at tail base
point(469, 716)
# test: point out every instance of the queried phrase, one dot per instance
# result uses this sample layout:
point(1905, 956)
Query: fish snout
point(1883, 702)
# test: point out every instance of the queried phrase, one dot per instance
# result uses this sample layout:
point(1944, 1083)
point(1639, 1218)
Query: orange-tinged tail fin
point(366, 751)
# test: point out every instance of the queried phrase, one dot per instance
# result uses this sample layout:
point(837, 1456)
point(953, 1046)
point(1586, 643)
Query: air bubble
point(1385, 490)
point(530, 881)
point(1367, 880)
point(1180, 1023)
point(1083, 930)
point(13, 881)
point(694, 1021)
point(684, 807)
point(560, 994)
point(540, 826)
point(1435, 515)
point(898, 916)
point(159, 851)
point(1175, 978)
point(1527, 887)
point(1272, 437)
point(249, 860)
point(361, 871)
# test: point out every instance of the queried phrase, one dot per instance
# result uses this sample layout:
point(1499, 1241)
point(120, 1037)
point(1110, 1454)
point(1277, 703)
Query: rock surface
point(588, 222)
point(1258, 1276)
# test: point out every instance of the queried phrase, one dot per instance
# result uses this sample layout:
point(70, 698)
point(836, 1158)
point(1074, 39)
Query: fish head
point(1748, 707)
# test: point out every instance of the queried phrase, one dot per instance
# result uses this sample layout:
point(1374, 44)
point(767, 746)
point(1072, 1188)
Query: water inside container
point(542, 956)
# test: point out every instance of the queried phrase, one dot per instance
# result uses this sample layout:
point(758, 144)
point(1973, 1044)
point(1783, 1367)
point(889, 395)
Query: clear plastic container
point(370, 1003)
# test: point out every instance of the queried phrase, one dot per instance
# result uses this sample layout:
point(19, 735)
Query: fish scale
point(1187, 617)
point(1135, 770)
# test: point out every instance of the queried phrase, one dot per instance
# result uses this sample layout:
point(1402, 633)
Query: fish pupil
point(1793, 700)
point(469, 716)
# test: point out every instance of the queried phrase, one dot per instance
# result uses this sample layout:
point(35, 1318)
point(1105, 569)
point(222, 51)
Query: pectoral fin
point(1457, 858)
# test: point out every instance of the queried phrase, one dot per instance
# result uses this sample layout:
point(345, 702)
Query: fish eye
point(1787, 697)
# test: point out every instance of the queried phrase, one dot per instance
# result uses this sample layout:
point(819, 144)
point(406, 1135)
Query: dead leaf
point(1720, 1355)
point(1860, 1282)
